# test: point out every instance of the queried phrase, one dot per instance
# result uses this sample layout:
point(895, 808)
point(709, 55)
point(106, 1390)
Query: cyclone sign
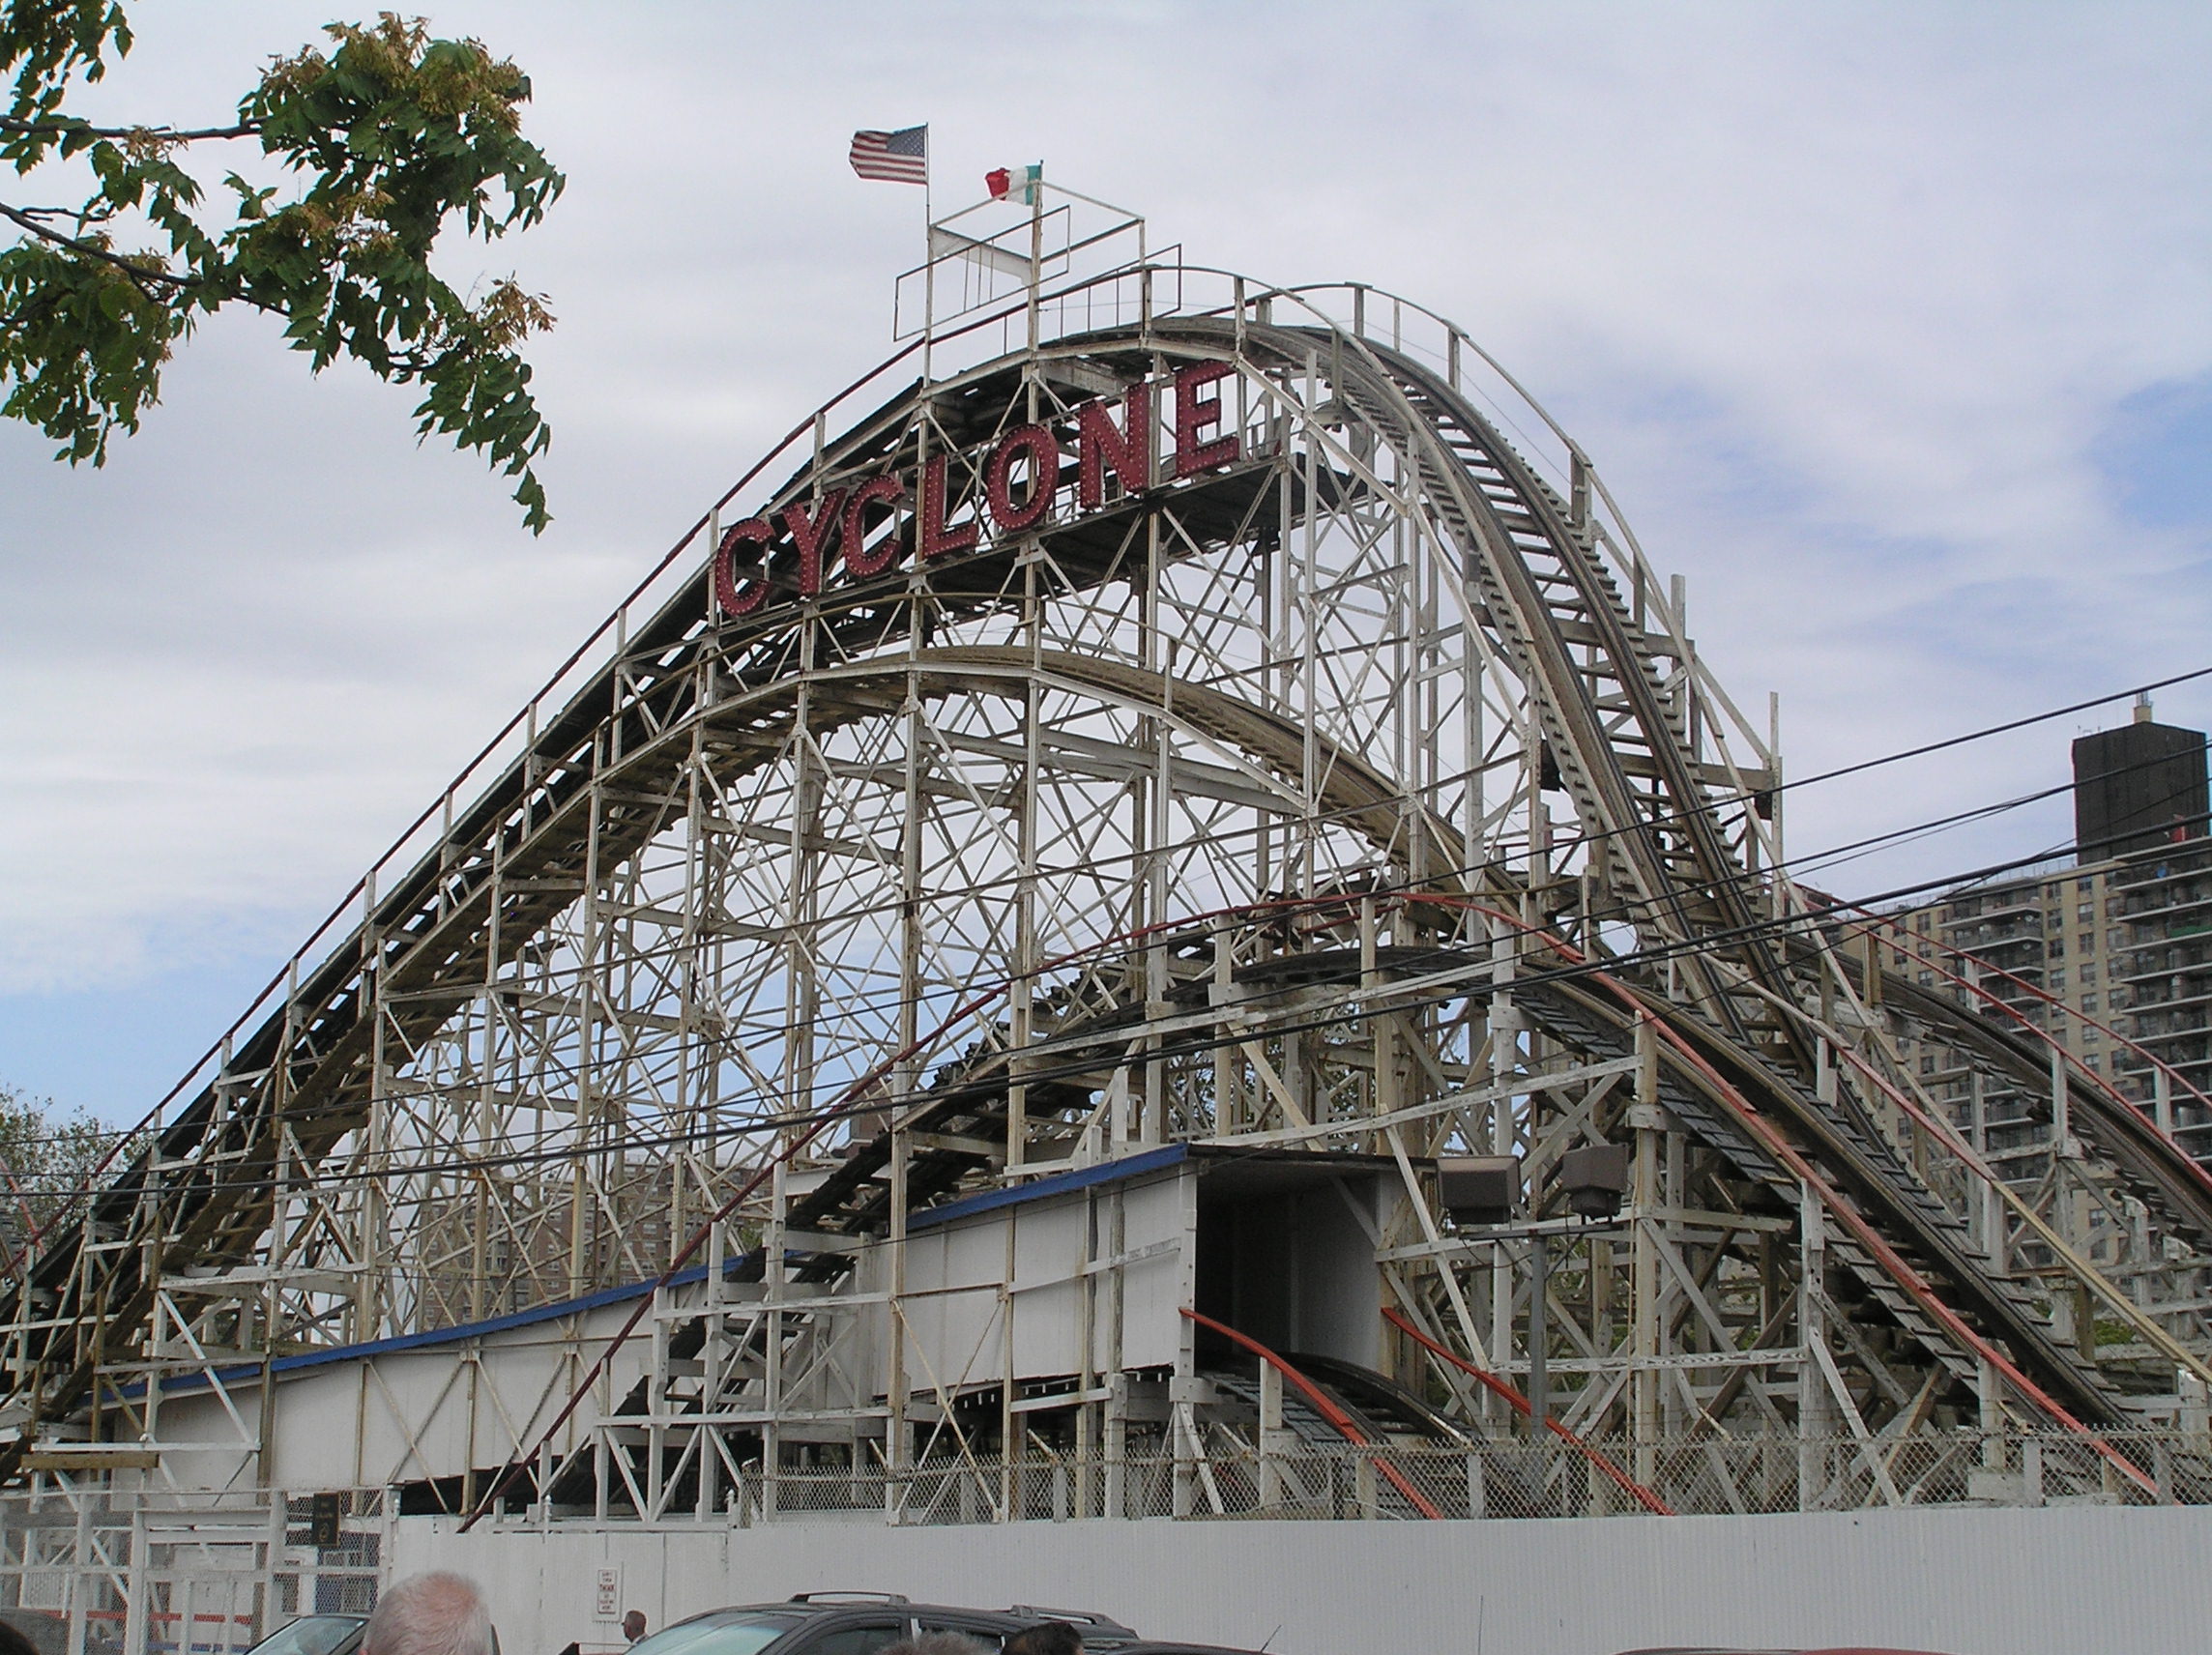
point(1020, 471)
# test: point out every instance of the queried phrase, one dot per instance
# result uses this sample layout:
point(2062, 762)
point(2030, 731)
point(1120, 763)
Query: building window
point(2094, 1061)
point(2088, 974)
point(2057, 948)
point(2058, 982)
point(1927, 976)
point(2086, 914)
point(2088, 1001)
point(2085, 884)
point(1928, 1065)
point(2089, 1036)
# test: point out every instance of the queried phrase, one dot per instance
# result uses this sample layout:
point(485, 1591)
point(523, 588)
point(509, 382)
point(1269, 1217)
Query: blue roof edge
point(1059, 1184)
point(442, 1335)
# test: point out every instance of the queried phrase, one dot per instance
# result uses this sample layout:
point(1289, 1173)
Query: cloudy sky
point(1890, 327)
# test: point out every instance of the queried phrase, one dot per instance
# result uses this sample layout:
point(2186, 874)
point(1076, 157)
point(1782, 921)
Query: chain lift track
point(1360, 794)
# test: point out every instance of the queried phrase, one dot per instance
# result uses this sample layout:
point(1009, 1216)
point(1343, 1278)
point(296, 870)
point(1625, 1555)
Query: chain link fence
point(86, 1570)
point(1710, 1475)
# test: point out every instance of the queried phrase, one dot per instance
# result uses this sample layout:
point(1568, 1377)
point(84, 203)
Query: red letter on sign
point(936, 539)
point(1128, 450)
point(753, 531)
point(1194, 413)
point(1043, 455)
point(812, 538)
point(859, 561)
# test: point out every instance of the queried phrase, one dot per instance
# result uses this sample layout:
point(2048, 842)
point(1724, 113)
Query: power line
point(1650, 954)
point(758, 1125)
point(1720, 800)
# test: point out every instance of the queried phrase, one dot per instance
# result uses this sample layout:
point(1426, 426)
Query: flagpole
point(1036, 250)
point(928, 260)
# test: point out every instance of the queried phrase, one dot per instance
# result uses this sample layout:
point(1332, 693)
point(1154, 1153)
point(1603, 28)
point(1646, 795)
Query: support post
point(1539, 1337)
point(1644, 1341)
point(1812, 1401)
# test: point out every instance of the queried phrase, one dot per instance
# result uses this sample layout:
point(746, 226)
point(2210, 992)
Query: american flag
point(896, 158)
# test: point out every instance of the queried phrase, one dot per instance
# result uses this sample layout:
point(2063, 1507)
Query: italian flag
point(1016, 185)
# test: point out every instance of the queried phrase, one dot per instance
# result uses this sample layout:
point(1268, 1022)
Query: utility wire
point(1720, 800)
point(753, 1125)
point(1083, 1064)
point(750, 1126)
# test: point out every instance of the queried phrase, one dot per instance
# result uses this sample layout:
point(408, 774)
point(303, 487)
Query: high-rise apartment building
point(2110, 951)
point(2137, 788)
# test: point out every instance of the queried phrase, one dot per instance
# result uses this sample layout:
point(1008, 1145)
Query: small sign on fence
point(325, 1517)
point(607, 1599)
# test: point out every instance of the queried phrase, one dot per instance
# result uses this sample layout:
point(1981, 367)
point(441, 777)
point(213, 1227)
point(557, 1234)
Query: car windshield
point(746, 1633)
point(316, 1635)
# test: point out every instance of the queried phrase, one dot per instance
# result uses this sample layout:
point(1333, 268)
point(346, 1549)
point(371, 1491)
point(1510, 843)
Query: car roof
point(1012, 1619)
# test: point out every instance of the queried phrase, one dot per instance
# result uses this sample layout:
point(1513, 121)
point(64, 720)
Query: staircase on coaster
point(1626, 753)
point(1621, 736)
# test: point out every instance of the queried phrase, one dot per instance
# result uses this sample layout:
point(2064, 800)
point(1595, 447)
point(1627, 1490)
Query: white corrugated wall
point(2078, 1580)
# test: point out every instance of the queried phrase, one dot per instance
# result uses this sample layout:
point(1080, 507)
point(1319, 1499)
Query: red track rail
point(1642, 1495)
point(1830, 1197)
point(1326, 1408)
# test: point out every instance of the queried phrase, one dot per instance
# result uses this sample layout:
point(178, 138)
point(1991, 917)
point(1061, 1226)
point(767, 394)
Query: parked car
point(315, 1635)
point(859, 1624)
point(48, 1633)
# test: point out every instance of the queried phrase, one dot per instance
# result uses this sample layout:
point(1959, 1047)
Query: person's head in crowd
point(437, 1614)
point(1047, 1638)
point(633, 1625)
point(14, 1642)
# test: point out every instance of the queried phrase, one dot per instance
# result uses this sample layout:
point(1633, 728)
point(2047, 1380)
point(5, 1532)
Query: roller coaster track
point(1617, 721)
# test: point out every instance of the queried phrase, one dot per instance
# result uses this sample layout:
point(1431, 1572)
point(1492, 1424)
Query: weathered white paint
point(957, 1271)
point(2080, 1581)
point(396, 1414)
point(1059, 1283)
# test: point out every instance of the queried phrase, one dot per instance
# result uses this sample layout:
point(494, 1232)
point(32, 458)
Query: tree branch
point(167, 134)
point(90, 249)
